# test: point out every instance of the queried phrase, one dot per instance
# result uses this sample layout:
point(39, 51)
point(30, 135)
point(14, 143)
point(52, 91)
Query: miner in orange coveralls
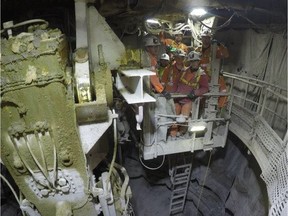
point(151, 44)
point(205, 63)
point(171, 78)
point(171, 75)
point(194, 83)
point(164, 104)
point(176, 43)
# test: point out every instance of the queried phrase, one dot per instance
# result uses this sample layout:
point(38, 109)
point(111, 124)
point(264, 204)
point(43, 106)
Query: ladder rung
point(182, 174)
point(178, 196)
point(179, 202)
point(179, 189)
point(176, 210)
point(180, 182)
point(185, 178)
point(183, 166)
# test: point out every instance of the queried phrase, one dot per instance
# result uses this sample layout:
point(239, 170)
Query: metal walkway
point(259, 119)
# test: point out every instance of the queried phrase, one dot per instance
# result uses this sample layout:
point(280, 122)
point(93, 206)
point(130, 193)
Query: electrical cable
point(11, 188)
point(153, 168)
point(126, 206)
point(250, 21)
point(41, 150)
point(26, 23)
point(193, 31)
point(45, 174)
point(13, 191)
point(218, 27)
point(24, 162)
point(115, 149)
point(54, 156)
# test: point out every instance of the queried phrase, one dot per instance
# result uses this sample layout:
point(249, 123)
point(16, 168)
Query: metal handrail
point(261, 103)
point(230, 75)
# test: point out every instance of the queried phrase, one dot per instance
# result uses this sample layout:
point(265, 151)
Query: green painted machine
point(43, 127)
point(59, 122)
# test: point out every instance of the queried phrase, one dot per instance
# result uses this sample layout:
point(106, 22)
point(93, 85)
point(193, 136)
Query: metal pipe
point(192, 121)
point(235, 76)
point(277, 94)
point(245, 95)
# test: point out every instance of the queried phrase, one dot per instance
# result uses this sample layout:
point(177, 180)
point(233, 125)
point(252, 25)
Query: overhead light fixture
point(152, 21)
point(198, 126)
point(198, 12)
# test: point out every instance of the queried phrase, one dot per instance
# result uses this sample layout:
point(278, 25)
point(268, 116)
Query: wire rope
point(204, 180)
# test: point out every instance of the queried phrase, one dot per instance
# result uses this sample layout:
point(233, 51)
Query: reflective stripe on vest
point(194, 83)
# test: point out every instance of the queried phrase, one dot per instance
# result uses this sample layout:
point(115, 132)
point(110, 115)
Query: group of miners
point(184, 70)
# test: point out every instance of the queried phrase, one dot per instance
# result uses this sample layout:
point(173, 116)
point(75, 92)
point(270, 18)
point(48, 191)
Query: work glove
point(192, 95)
point(166, 94)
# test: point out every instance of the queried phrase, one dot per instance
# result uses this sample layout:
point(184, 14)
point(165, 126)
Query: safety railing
point(259, 119)
point(261, 98)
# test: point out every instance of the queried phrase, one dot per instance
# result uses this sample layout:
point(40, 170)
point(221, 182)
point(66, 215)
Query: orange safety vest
point(168, 41)
point(191, 81)
point(171, 76)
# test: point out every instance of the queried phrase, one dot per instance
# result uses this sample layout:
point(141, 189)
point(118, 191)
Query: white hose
point(153, 168)
point(26, 23)
point(115, 148)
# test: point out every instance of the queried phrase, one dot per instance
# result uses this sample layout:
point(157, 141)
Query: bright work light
point(198, 126)
point(152, 21)
point(198, 12)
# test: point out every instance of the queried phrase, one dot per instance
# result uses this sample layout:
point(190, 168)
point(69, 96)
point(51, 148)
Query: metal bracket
point(130, 84)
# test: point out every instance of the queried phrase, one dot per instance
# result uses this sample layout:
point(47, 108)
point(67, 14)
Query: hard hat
point(193, 56)
point(180, 52)
point(151, 40)
point(165, 56)
point(206, 33)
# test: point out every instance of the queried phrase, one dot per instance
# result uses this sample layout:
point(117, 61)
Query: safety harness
point(194, 82)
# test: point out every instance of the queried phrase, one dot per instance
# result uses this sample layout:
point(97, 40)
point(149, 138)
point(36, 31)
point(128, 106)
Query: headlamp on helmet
point(165, 56)
point(206, 33)
point(180, 53)
point(194, 56)
point(151, 40)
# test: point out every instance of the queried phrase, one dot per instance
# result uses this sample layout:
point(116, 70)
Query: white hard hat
point(193, 56)
point(206, 33)
point(180, 52)
point(151, 40)
point(165, 56)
